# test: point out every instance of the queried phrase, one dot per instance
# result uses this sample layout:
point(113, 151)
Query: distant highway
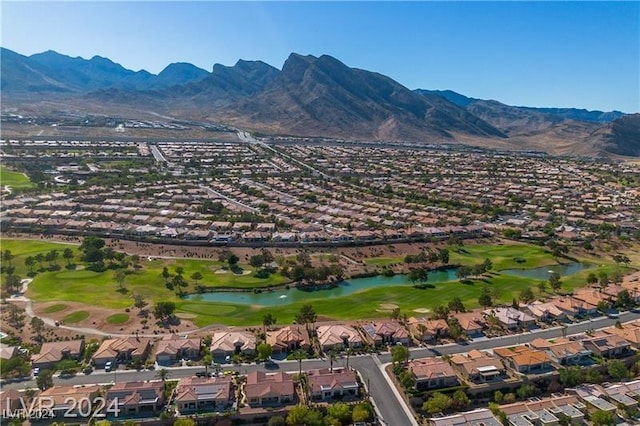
point(157, 154)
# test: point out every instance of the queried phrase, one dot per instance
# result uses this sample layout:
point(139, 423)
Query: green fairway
point(76, 316)
point(56, 308)
point(383, 261)
point(502, 256)
point(101, 289)
point(117, 319)
point(14, 180)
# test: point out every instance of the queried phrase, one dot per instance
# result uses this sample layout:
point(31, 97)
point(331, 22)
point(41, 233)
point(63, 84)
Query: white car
point(108, 366)
point(36, 371)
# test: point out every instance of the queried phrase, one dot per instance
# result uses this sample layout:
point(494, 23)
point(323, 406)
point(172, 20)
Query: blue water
point(544, 272)
point(345, 288)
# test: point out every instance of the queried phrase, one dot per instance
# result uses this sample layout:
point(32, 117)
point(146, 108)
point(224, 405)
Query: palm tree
point(299, 355)
point(348, 352)
point(332, 354)
point(68, 254)
point(29, 262)
point(40, 258)
point(267, 320)
point(163, 374)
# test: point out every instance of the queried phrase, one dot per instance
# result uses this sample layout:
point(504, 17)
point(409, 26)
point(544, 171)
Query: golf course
point(144, 277)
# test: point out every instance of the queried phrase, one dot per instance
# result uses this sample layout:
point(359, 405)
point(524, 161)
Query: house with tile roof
point(136, 398)
point(479, 367)
point(325, 385)
point(525, 360)
point(607, 345)
point(53, 352)
point(123, 349)
point(174, 347)
point(386, 333)
point(432, 373)
point(564, 351)
point(203, 394)
point(338, 337)
point(288, 339)
point(263, 389)
point(229, 343)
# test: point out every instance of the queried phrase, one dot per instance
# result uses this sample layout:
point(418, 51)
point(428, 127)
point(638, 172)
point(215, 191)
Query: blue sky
point(565, 54)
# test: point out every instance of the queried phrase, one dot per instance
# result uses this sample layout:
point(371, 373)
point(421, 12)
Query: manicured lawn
point(501, 255)
point(383, 261)
point(13, 179)
point(56, 308)
point(100, 288)
point(118, 319)
point(76, 316)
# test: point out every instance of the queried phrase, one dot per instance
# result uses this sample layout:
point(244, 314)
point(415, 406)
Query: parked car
point(108, 366)
point(36, 371)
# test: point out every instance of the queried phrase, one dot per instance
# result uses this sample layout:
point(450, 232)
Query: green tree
point(592, 278)
point(419, 275)
point(276, 421)
point(332, 355)
point(624, 300)
point(456, 305)
point(399, 354)
point(463, 272)
point(233, 260)
point(460, 400)
point(299, 355)
point(179, 271)
point(440, 312)
point(602, 418)
point(454, 328)
point(592, 375)
point(617, 370)
point(526, 295)
point(487, 264)
point(570, 376)
point(526, 391)
point(196, 276)
point(68, 255)
point(443, 256)
point(362, 412)
point(341, 412)
point(163, 374)
point(165, 274)
point(267, 321)
point(485, 297)
point(554, 281)
point(264, 351)
point(603, 279)
point(183, 421)
point(39, 257)
point(542, 286)
point(164, 310)
point(301, 415)
point(498, 397)
point(120, 276)
point(7, 256)
point(37, 326)
point(138, 301)
point(306, 316)
point(438, 403)
point(29, 262)
point(45, 380)
point(256, 261)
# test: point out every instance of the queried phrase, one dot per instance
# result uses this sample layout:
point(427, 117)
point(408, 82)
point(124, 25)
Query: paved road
point(231, 200)
point(157, 154)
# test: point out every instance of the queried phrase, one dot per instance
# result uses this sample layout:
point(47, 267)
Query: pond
point(345, 288)
point(544, 272)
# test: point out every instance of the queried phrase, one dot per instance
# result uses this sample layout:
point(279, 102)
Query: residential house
point(387, 333)
point(564, 351)
point(479, 367)
point(471, 322)
point(7, 352)
point(511, 318)
point(594, 396)
point(136, 398)
point(229, 343)
point(263, 389)
point(53, 352)
point(432, 373)
point(566, 305)
point(607, 345)
point(629, 332)
point(593, 297)
point(338, 337)
point(525, 360)
point(624, 393)
point(123, 349)
point(325, 385)
point(203, 394)
point(545, 311)
point(65, 399)
point(11, 403)
point(173, 347)
point(288, 339)
point(427, 330)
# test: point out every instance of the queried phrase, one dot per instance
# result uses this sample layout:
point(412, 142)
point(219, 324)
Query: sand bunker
point(422, 310)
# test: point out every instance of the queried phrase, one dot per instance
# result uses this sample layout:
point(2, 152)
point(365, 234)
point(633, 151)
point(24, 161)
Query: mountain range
point(314, 96)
